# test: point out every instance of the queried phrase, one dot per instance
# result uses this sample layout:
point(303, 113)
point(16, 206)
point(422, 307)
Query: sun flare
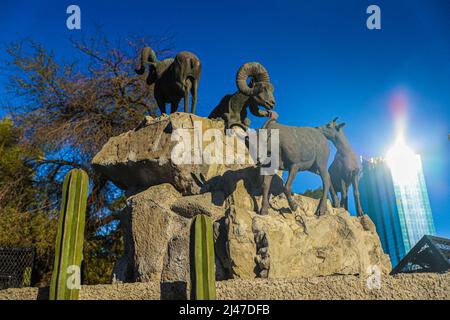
point(403, 162)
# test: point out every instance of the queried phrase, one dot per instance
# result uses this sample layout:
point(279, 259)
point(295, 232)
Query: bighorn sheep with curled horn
point(233, 107)
point(174, 78)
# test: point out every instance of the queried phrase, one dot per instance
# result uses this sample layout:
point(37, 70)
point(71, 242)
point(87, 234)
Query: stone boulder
point(140, 158)
point(156, 232)
point(164, 196)
point(300, 244)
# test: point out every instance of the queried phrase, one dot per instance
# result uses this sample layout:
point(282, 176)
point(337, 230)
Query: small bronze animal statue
point(300, 149)
point(259, 92)
point(344, 171)
point(174, 78)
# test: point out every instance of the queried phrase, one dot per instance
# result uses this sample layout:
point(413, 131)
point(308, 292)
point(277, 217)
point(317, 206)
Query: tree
point(24, 222)
point(31, 229)
point(69, 110)
point(16, 175)
point(315, 194)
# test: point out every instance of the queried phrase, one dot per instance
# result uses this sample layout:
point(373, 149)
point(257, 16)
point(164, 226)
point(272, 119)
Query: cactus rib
point(205, 286)
point(70, 236)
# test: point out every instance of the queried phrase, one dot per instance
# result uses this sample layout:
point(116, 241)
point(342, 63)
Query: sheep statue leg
point(359, 210)
point(187, 89)
point(174, 106)
point(194, 95)
point(334, 196)
point(344, 195)
point(265, 200)
point(322, 208)
point(288, 188)
point(161, 106)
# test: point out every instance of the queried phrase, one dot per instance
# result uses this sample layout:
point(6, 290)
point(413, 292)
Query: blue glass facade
point(400, 209)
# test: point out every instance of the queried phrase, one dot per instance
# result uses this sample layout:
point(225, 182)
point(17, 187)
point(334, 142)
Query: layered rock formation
point(144, 157)
point(164, 195)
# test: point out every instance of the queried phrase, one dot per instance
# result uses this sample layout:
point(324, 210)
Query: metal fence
point(16, 267)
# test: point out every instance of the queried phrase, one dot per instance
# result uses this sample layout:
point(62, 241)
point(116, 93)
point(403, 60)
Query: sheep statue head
point(344, 170)
point(260, 88)
point(156, 67)
point(258, 92)
point(332, 131)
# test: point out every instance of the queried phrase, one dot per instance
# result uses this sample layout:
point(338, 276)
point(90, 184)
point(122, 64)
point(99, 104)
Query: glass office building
point(394, 195)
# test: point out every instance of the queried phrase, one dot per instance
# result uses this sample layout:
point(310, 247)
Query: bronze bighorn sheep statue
point(344, 170)
point(300, 149)
point(174, 78)
point(259, 92)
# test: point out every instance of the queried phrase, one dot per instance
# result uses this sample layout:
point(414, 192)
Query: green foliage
point(315, 194)
point(23, 220)
point(68, 109)
point(70, 237)
point(100, 253)
point(27, 219)
point(16, 175)
point(31, 229)
point(204, 265)
point(103, 246)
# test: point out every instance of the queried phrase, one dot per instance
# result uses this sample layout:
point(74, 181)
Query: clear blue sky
point(322, 59)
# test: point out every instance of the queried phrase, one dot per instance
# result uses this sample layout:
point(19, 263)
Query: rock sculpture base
point(164, 196)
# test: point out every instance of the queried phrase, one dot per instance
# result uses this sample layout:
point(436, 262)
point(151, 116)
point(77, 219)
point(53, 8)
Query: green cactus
point(204, 276)
point(69, 240)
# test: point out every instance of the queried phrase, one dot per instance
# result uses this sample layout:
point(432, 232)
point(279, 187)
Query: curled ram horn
point(254, 70)
point(147, 55)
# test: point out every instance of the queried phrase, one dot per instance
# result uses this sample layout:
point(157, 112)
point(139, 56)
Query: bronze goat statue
point(344, 171)
point(233, 107)
point(300, 149)
point(173, 78)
